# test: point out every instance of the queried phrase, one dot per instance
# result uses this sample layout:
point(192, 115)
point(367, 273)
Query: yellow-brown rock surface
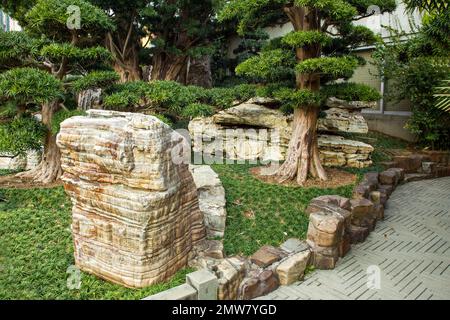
point(135, 211)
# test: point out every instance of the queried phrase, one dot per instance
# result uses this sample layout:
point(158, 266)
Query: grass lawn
point(36, 244)
point(36, 249)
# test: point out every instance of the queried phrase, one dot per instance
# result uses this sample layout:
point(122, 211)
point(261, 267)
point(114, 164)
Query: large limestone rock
point(252, 131)
point(343, 120)
point(338, 151)
point(350, 105)
point(135, 211)
point(21, 162)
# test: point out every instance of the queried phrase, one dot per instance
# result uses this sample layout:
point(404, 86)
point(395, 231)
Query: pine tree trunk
point(199, 72)
point(166, 67)
point(302, 158)
point(49, 170)
point(303, 153)
point(128, 69)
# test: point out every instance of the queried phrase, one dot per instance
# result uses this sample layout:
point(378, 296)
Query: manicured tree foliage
point(173, 32)
point(125, 41)
point(179, 30)
point(42, 62)
point(316, 52)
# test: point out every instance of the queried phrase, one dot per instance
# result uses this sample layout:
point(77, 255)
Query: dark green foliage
point(416, 81)
point(337, 67)
point(29, 85)
point(86, 56)
point(324, 51)
point(172, 98)
point(293, 98)
point(428, 5)
point(194, 110)
point(271, 65)
point(296, 39)
point(16, 48)
point(417, 67)
point(37, 249)
point(21, 134)
point(49, 17)
point(39, 63)
point(95, 79)
point(351, 92)
point(62, 115)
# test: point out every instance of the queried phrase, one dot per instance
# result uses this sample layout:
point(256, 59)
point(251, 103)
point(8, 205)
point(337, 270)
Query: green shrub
point(62, 115)
point(198, 110)
point(23, 85)
point(351, 92)
point(21, 134)
point(95, 79)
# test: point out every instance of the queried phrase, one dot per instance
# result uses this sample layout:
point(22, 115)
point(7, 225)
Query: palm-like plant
point(442, 96)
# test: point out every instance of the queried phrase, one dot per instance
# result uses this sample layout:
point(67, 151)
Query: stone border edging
point(335, 223)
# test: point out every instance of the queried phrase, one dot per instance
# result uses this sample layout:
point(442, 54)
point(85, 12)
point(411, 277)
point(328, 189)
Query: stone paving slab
point(411, 247)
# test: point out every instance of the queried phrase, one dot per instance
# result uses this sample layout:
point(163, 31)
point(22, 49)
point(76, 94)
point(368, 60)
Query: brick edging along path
point(336, 223)
point(411, 248)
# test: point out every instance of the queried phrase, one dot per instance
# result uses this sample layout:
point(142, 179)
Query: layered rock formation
point(22, 162)
point(253, 130)
point(135, 211)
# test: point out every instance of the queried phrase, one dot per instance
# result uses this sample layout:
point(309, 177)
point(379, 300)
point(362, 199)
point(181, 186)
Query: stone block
point(429, 167)
point(342, 120)
point(362, 191)
point(442, 171)
point(205, 283)
point(378, 210)
point(361, 209)
point(400, 173)
point(210, 248)
point(293, 268)
point(211, 197)
point(411, 163)
point(325, 229)
point(371, 178)
point(357, 234)
point(324, 258)
point(231, 273)
point(267, 255)
point(344, 245)
point(439, 157)
point(389, 178)
point(410, 177)
point(294, 245)
point(386, 189)
point(339, 201)
point(266, 282)
point(182, 292)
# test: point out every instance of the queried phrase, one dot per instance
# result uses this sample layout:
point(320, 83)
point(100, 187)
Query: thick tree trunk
point(199, 72)
point(128, 68)
point(303, 154)
point(168, 67)
point(302, 157)
point(49, 170)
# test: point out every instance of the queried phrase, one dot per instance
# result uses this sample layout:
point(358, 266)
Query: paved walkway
point(411, 247)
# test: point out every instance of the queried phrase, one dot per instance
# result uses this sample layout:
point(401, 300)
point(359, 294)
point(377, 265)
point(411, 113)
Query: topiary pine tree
point(316, 52)
point(42, 62)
